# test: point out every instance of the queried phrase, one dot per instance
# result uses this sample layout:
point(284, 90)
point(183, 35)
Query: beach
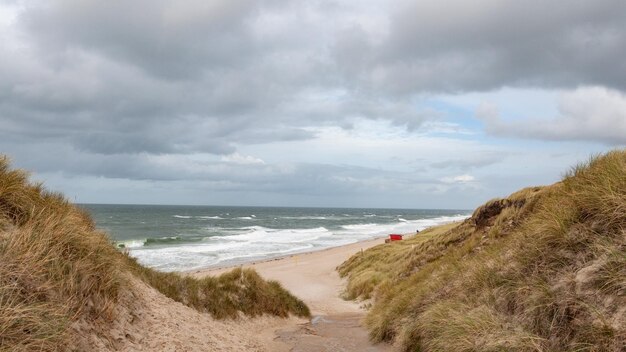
point(298, 247)
point(336, 323)
point(188, 238)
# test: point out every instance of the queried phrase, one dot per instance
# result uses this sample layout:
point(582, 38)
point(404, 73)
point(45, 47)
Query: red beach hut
point(395, 237)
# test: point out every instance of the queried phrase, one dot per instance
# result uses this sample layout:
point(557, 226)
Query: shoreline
point(335, 323)
point(227, 267)
point(189, 245)
point(311, 276)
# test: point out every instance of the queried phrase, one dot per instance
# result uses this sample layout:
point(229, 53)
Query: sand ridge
point(149, 321)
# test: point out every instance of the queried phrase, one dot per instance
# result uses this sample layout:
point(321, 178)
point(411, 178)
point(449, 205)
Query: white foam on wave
point(440, 220)
point(245, 218)
point(310, 217)
point(130, 243)
point(263, 234)
point(262, 254)
point(189, 257)
point(182, 216)
point(210, 217)
point(359, 227)
point(402, 226)
point(257, 242)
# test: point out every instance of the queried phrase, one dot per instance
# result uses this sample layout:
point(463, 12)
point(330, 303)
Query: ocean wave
point(234, 245)
point(310, 217)
point(262, 254)
point(170, 240)
point(146, 242)
point(402, 226)
point(210, 217)
point(130, 243)
point(360, 226)
point(182, 216)
point(263, 234)
point(202, 256)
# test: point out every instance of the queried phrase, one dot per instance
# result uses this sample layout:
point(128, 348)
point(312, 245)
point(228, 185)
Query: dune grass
point(225, 296)
point(382, 263)
point(542, 270)
point(54, 266)
point(56, 270)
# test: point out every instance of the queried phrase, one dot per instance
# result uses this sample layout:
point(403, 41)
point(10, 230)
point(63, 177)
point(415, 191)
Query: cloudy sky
point(415, 104)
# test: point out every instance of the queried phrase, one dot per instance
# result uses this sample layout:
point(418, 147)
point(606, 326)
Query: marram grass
point(56, 269)
point(542, 270)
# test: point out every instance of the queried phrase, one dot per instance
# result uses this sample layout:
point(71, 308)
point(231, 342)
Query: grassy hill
point(60, 278)
point(541, 270)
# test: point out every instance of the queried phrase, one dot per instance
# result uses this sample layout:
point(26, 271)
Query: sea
point(183, 238)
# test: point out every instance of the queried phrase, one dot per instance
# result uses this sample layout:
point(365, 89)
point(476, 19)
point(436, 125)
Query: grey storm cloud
point(169, 39)
point(458, 46)
point(120, 82)
point(155, 77)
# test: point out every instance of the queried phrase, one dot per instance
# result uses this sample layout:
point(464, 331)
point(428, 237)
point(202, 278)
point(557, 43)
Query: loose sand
point(149, 321)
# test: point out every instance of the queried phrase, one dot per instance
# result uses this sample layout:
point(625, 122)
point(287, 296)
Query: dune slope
point(542, 270)
point(63, 285)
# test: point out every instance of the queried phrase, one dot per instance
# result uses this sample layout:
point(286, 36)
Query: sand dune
point(149, 321)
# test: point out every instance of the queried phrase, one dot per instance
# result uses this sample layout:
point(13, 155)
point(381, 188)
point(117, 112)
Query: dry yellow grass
point(56, 269)
point(382, 263)
point(543, 270)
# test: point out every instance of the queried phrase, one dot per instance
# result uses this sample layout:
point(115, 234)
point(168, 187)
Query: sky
point(323, 103)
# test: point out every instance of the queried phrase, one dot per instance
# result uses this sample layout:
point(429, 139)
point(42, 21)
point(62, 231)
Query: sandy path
point(336, 323)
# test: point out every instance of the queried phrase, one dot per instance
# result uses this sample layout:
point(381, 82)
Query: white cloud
point(587, 113)
point(459, 179)
point(237, 158)
point(8, 13)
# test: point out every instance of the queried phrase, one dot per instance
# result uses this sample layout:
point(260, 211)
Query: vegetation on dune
point(381, 264)
point(225, 296)
point(542, 270)
point(57, 270)
point(54, 267)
